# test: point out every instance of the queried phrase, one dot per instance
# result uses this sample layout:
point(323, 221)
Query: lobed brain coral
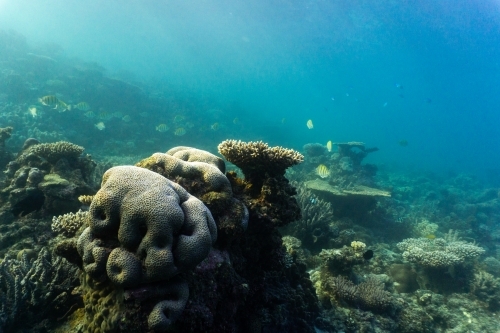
point(144, 228)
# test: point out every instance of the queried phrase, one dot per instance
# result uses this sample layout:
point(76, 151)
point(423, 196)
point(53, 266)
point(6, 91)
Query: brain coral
point(203, 180)
point(189, 154)
point(144, 228)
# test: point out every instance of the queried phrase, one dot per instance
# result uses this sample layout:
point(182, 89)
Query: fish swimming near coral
point(180, 131)
point(33, 111)
point(162, 128)
point(82, 106)
point(310, 124)
point(322, 171)
point(329, 146)
point(100, 126)
point(49, 100)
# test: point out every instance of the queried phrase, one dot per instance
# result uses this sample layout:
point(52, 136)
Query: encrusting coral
point(144, 228)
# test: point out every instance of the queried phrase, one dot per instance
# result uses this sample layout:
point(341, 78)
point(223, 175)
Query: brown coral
point(257, 158)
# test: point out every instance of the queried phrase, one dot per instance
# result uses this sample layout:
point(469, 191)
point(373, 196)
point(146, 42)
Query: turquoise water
point(262, 62)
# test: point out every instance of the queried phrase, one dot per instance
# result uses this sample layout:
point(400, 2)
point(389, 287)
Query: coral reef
point(142, 229)
point(68, 224)
point(314, 228)
point(34, 288)
point(5, 156)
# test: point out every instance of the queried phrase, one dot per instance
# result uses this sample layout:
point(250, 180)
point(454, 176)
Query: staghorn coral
point(68, 224)
point(33, 289)
point(438, 253)
point(487, 289)
point(52, 152)
point(144, 228)
point(256, 158)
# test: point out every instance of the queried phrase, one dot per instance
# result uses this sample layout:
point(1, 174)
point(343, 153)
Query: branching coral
point(68, 224)
point(257, 158)
point(313, 228)
point(439, 252)
point(52, 152)
point(32, 290)
point(369, 294)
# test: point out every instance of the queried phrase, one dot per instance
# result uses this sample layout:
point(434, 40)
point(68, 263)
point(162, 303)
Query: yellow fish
point(329, 145)
point(33, 111)
point(180, 131)
point(49, 100)
point(82, 106)
point(100, 126)
point(215, 126)
point(310, 124)
point(322, 171)
point(162, 128)
point(430, 236)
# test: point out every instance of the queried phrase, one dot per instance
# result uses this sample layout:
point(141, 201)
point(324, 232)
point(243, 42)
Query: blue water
point(262, 61)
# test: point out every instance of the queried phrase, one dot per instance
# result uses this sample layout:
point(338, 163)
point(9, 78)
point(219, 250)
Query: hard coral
point(52, 152)
point(144, 228)
point(257, 158)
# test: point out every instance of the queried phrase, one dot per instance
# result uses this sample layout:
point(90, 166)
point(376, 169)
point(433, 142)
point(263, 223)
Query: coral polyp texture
point(258, 158)
point(52, 152)
point(438, 253)
point(144, 228)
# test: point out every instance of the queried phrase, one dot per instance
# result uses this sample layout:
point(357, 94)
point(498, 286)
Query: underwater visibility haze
point(249, 166)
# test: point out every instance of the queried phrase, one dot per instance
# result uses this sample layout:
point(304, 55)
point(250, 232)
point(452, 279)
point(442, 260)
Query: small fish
point(322, 171)
point(313, 200)
point(178, 118)
point(346, 94)
point(49, 100)
point(104, 115)
point(126, 118)
point(428, 100)
point(399, 86)
point(329, 146)
point(89, 114)
point(180, 131)
point(189, 125)
point(333, 98)
point(61, 106)
point(236, 121)
point(162, 128)
point(403, 143)
point(82, 106)
point(143, 114)
point(100, 126)
point(214, 126)
point(430, 236)
point(283, 120)
point(33, 111)
point(385, 104)
point(310, 124)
